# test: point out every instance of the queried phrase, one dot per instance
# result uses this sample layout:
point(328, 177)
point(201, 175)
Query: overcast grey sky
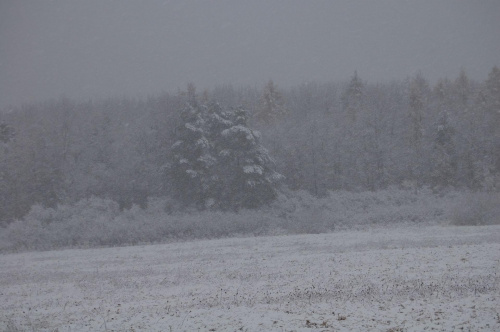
point(95, 48)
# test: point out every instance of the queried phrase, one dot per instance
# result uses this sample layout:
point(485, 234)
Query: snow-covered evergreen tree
point(271, 105)
point(352, 98)
point(245, 166)
point(444, 153)
point(192, 163)
point(417, 103)
point(218, 162)
point(6, 132)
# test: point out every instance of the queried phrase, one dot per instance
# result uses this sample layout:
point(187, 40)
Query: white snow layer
point(249, 135)
point(403, 279)
point(251, 169)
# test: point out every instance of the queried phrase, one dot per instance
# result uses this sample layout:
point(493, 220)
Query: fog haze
point(94, 48)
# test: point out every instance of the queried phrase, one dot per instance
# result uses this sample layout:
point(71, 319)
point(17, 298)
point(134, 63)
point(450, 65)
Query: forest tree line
point(353, 136)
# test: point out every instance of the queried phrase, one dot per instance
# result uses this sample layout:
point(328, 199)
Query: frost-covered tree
point(493, 89)
point(271, 105)
point(489, 107)
point(444, 154)
point(245, 167)
point(6, 132)
point(417, 103)
point(417, 98)
point(493, 100)
point(352, 98)
point(218, 162)
point(462, 89)
point(192, 162)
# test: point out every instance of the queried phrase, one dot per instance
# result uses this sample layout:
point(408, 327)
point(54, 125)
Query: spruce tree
point(352, 98)
point(245, 165)
point(192, 160)
point(271, 105)
point(219, 163)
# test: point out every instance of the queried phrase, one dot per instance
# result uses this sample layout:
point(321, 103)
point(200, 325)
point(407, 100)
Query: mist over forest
point(317, 137)
point(263, 165)
point(219, 107)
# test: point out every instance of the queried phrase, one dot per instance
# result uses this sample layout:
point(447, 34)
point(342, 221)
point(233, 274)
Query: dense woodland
point(351, 136)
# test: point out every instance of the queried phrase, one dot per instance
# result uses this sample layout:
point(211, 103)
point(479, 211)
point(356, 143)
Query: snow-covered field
point(403, 279)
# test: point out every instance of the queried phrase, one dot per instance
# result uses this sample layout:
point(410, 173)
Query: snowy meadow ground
point(443, 278)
